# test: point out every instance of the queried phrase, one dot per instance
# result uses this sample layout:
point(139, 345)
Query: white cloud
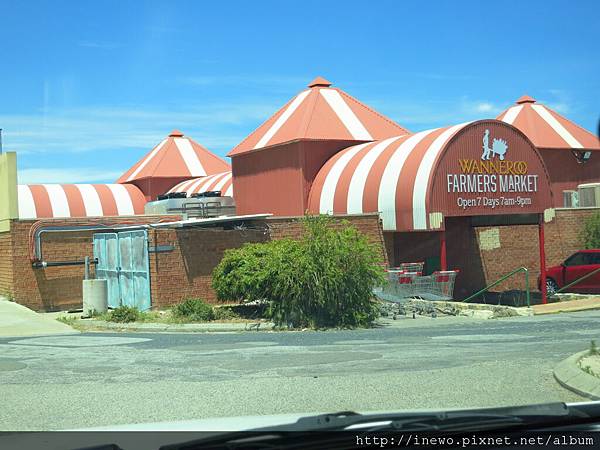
point(246, 80)
point(561, 101)
point(561, 107)
point(420, 115)
point(99, 45)
point(76, 130)
point(67, 175)
point(484, 107)
point(478, 109)
point(441, 76)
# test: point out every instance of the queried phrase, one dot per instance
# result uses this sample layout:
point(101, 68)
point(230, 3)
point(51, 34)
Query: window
point(578, 259)
point(594, 258)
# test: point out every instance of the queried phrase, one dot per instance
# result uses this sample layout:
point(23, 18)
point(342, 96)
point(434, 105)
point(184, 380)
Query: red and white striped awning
point(321, 112)
point(546, 128)
point(176, 156)
point(217, 182)
point(38, 201)
point(391, 177)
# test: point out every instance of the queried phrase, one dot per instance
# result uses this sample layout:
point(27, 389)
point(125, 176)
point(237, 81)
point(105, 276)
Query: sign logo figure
point(499, 147)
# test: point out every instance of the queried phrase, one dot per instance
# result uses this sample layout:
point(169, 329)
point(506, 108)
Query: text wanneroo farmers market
point(492, 176)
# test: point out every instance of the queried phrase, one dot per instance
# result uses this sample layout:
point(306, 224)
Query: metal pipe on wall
point(42, 264)
point(62, 229)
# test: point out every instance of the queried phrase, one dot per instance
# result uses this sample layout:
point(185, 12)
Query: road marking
point(483, 337)
point(79, 341)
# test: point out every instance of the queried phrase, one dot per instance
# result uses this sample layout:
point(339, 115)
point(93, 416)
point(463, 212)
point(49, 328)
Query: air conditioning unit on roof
point(589, 194)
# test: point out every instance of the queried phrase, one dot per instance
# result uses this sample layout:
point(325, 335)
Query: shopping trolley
point(402, 285)
point(437, 286)
point(399, 286)
point(409, 267)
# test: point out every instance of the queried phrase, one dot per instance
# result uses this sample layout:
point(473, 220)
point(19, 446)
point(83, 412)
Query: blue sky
point(88, 87)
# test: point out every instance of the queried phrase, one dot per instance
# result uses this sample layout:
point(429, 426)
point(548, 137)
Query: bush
point(246, 274)
point(224, 313)
point(324, 279)
point(195, 310)
point(124, 314)
point(590, 234)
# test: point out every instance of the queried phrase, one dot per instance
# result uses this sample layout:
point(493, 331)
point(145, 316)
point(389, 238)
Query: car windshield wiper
point(309, 428)
point(430, 420)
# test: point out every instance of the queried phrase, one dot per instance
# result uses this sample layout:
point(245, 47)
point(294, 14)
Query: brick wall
point(368, 224)
point(6, 266)
point(186, 271)
point(485, 254)
point(52, 288)
point(503, 249)
point(563, 233)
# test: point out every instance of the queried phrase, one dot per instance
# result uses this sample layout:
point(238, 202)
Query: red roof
point(217, 182)
point(320, 112)
point(546, 128)
point(79, 200)
point(176, 156)
point(389, 176)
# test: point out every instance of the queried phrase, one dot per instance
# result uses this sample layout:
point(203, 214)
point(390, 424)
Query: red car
point(575, 267)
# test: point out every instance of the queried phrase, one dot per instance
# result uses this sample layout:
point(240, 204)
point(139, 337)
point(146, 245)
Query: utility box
point(95, 297)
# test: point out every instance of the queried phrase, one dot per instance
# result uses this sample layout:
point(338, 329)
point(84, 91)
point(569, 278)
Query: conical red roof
point(321, 112)
point(319, 81)
point(546, 128)
point(176, 156)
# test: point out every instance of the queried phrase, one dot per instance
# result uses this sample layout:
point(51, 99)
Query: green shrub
point(124, 314)
point(224, 313)
point(195, 310)
point(590, 234)
point(245, 274)
point(324, 279)
point(593, 349)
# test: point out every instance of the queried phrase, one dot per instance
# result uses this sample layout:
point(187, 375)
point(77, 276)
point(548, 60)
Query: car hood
point(239, 423)
point(245, 423)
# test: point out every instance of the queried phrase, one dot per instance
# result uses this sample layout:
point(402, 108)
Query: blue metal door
point(106, 252)
point(123, 261)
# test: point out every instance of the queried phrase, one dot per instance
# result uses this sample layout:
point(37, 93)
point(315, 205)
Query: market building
point(478, 197)
point(436, 185)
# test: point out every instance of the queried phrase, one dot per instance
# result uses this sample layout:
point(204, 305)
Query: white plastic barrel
point(95, 296)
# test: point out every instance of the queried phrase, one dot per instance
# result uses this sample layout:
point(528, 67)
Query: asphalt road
point(95, 379)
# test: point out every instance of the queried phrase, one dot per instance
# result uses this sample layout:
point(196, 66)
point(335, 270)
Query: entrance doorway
point(123, 261)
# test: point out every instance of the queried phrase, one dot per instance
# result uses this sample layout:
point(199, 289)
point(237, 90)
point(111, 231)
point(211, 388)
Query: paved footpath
point(568, 306)
point(17, 320)
point(95, 379)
